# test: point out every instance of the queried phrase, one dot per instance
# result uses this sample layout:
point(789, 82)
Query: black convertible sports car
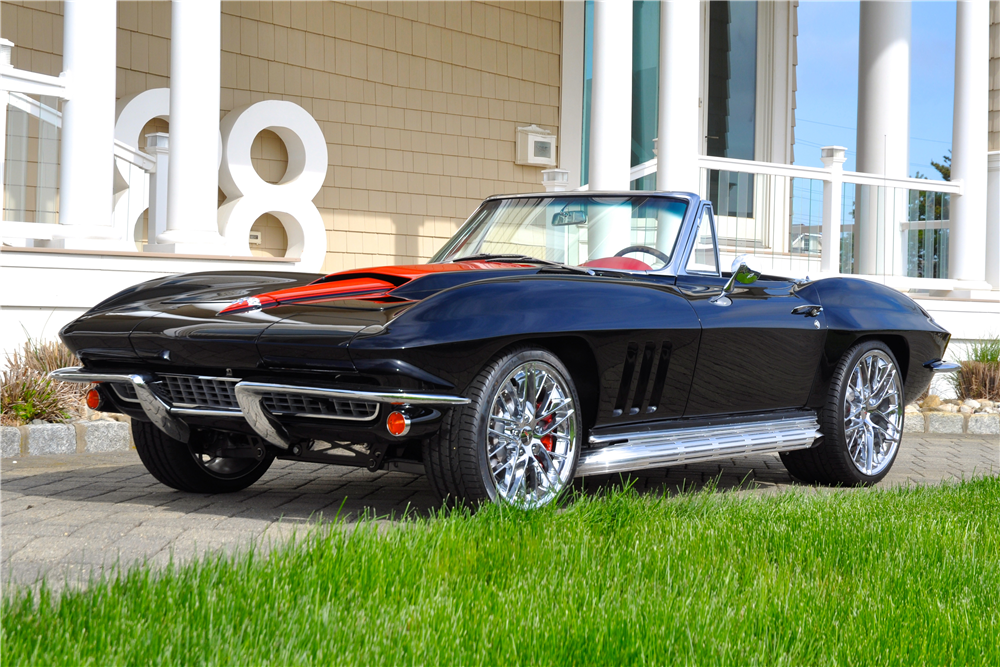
point(556, 335)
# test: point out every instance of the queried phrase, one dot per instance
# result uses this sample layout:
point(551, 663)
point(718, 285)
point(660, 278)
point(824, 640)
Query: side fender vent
point(632, 398)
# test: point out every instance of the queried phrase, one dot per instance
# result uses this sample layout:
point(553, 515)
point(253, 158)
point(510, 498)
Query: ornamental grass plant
point(979, 377)
point(26, 392)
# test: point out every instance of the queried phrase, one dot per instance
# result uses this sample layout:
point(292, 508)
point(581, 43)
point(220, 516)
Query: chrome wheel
point(873, 413)
point(532, 436)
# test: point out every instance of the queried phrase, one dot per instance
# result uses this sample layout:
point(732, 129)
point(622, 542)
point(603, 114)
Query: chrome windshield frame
point(682, 245)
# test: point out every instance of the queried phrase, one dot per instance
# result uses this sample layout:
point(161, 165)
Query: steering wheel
point(662, 256)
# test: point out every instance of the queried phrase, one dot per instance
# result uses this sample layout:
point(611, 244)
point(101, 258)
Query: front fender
point(454, 333)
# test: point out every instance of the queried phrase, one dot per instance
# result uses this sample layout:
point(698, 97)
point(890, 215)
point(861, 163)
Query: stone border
point(78, 438)
point(951, 423)
point(111, 436)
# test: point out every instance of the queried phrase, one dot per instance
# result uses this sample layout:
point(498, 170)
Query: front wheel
point(862, 422)
point(201, 465)
point(518, 440)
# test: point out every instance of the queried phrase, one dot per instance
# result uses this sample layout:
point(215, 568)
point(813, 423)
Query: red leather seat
point(623, 263)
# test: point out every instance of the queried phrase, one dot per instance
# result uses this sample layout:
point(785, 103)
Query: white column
point(193, 195)
point(883, 127)
point(571, 91)
point(611, 121)
point(970, 136)
point(993, 221)
point(678, 138)
point(833, 159)
point(88, 120)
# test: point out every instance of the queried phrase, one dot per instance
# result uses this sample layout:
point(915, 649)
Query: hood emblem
point(245, 304)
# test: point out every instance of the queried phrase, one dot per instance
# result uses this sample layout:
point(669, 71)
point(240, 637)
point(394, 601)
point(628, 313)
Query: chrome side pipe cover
point(653, 449)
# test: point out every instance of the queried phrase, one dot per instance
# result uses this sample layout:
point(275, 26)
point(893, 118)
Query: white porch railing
point(808, 220)
point(29, 171)
point(802, 221)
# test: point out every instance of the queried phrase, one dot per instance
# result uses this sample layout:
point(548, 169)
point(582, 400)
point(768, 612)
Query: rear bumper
point(251, 398)
point(939, 366)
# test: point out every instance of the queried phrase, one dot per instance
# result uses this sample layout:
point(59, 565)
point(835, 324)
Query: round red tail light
point(397, 424)
point(93, 399)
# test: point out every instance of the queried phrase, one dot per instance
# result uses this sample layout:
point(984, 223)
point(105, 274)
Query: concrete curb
point(951, 423)
point(76, 438)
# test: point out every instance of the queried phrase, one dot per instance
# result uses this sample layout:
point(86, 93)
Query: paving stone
point(10, 441)
point(945, 422)
point(984, 424)
point(105, 436)
point(47, 439)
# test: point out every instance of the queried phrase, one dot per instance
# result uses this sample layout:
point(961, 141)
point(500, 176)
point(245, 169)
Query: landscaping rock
point(931, 401)
point(984, 424)
point(987, 404)
point(965, 409)
point(103, 436)
point(914, 422)
point(942, 422)
point(972, 403)
point(10, 441)
point(51, 439)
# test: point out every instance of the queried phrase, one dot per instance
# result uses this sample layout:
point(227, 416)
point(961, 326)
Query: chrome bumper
point(940, 366)
point(249, 395)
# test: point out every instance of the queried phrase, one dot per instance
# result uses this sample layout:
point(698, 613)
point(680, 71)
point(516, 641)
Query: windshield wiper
point(526, 258)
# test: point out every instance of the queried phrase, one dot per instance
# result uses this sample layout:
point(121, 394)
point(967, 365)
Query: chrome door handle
point(809, 310)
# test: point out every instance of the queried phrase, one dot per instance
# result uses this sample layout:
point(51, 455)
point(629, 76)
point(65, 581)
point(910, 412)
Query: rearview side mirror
point(745, 271)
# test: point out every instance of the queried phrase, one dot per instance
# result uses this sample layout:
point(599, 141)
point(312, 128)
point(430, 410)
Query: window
point(732, 102)
point(703, 257)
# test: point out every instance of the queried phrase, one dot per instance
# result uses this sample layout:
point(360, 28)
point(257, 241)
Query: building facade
point(326, 136)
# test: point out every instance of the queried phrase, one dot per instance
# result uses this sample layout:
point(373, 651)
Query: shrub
point(26, 392)
point(979, 377)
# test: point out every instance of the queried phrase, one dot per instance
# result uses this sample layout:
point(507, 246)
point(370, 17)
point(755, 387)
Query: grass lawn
point(867, 577)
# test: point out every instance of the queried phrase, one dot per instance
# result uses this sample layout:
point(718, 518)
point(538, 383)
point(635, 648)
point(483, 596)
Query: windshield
point(631, 233)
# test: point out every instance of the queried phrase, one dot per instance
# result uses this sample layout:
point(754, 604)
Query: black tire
point(181, 466)
point(830, 461)
point(457, 461)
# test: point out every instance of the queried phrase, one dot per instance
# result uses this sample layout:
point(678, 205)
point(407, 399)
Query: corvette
point(554, 336)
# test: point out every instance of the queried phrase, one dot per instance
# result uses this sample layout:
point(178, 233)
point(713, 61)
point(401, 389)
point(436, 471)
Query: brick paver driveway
point(67, 517)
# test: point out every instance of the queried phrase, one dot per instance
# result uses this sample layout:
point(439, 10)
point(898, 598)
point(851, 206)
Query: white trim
point(571, 104)
point(31, 83)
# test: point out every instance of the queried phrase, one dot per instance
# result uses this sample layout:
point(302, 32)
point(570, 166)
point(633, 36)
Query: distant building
point(388, 122)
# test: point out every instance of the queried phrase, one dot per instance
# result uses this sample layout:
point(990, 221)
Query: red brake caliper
point(548, 440)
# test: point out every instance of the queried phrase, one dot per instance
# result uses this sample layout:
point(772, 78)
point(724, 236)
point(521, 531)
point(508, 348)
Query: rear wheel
point(212, 462)
point(518, 440)
point(862, 422)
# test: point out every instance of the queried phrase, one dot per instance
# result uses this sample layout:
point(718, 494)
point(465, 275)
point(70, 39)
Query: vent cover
point(653, 361)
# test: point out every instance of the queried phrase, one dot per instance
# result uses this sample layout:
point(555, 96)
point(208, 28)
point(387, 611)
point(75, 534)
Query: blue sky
point(827, 77)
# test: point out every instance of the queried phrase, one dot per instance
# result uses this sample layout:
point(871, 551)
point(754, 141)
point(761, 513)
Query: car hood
point(388, 284)
point(228, 321)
